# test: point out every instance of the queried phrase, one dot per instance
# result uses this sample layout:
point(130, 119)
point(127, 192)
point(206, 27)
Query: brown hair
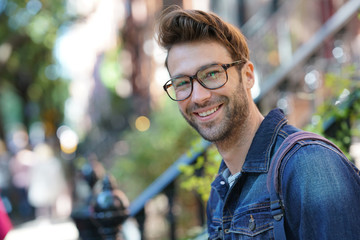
point(177, 25)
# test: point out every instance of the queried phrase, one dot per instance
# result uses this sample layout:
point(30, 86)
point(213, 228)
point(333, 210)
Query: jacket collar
point(259, 155)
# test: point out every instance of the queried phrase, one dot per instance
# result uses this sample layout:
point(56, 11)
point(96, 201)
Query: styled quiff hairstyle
point(177, 25)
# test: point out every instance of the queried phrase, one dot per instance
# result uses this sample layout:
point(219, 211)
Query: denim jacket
point(320, 189)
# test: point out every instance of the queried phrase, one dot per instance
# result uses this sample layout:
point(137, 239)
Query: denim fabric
point(320, 189)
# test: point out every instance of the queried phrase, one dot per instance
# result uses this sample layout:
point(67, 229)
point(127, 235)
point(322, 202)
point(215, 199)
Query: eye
point(180, 83)
point(211, 73)
point(214, 74)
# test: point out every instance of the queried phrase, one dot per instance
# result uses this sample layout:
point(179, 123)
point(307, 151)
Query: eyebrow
point(197, 70)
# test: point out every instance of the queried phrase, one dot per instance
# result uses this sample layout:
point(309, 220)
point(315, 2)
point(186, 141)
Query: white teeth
point(207, 113)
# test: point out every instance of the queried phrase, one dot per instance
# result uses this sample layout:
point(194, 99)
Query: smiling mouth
point(209, 112)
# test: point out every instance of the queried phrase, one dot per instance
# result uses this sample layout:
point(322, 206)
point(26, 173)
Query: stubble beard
point(236, 113)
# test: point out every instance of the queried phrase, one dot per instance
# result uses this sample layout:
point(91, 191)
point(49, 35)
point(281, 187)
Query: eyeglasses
point(211, 77)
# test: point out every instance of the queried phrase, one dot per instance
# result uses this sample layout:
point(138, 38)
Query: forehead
point(187, 58)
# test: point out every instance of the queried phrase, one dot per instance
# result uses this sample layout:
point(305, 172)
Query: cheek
point(182, 106)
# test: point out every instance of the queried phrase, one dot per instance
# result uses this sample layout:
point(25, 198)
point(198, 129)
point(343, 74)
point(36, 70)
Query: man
point(211, 79)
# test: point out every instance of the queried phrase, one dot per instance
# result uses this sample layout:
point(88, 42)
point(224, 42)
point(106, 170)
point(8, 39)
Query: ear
point(248, 75)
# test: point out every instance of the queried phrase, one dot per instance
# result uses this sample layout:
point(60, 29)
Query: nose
point(199, 93)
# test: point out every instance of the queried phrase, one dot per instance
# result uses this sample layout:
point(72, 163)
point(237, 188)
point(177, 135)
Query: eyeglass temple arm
point(226, 66)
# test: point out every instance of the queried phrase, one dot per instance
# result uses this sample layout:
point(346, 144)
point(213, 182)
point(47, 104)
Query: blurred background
point(81, 98)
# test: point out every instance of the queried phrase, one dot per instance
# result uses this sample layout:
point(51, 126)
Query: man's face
point(216, 114)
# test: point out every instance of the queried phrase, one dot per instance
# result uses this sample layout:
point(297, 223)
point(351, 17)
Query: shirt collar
point(258, 157)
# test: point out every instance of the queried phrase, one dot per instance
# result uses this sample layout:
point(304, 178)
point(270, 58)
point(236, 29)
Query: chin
point(213, 137)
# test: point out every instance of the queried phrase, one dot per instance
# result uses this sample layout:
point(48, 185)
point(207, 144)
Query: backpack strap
point(274, 178)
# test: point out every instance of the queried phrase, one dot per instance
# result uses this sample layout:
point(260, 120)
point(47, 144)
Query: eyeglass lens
point(211, 77)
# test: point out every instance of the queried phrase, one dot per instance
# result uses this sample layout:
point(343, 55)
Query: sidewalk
point(61, 229)
point(45, 229)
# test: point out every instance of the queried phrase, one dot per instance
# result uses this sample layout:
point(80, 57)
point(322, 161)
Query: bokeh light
point(142, 123)
point(68, 139)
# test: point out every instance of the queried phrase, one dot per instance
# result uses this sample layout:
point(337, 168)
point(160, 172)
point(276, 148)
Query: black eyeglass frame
point(224, 66)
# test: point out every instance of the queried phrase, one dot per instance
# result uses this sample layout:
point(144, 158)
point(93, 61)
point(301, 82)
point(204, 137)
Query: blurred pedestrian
point(47, 182)
point(5, 222)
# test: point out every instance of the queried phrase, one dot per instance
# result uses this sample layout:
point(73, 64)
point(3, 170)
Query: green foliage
point(110, 70)
point(341, 108)
point(10, 107)
point(198, 177)
point(28, 31)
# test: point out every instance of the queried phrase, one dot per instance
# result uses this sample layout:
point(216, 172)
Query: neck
point(235, 148)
